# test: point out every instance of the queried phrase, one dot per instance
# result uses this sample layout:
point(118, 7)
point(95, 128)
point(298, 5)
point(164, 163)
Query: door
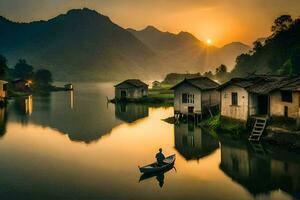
point(123, 94)
point(262, 104)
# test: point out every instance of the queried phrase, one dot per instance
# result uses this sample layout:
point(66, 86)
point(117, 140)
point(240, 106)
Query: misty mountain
point(85, 45)
point(185, 52)
point(79, 45)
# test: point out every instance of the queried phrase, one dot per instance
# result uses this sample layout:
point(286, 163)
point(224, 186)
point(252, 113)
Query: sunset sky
point(222, 21)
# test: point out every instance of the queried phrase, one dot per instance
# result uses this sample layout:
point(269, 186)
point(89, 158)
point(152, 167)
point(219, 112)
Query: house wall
point(277, 105)
point(2, 90)
point(239, 112)
point(183, 107)
point(131, 91)
point(210, 97)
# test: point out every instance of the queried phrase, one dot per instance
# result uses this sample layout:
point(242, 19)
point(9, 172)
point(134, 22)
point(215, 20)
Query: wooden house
point(21, 84)
point(260, 95)
point(3, 89)
point(131, 89)
point(195, 96)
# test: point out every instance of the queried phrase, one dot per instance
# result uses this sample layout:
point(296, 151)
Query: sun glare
point(208, 41)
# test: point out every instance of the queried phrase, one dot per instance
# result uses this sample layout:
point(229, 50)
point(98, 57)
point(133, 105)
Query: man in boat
point(160, 157)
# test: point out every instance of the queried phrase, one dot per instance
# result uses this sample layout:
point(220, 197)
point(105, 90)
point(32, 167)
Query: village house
point(21, 84)
point(156, 84)
point(260, 96)
point(195, 96)
point(131, 89)
point(3, 90)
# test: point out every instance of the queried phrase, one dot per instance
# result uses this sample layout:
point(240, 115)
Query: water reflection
point(3, 121)
point(87, 122)
point(159, 176)
point(131, 112)
point(260, 173)
point(192, 142)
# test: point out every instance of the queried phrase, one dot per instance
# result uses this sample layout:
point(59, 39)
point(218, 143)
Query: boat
point(153, 168)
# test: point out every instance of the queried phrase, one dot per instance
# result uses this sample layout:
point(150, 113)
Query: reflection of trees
point(87, 122)
point(3, 121)
point(131, 112)
point(192, 142)
point(260, 173)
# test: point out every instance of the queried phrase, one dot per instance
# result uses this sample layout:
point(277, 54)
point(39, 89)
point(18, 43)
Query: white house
point(260, 95)
point(195, 96)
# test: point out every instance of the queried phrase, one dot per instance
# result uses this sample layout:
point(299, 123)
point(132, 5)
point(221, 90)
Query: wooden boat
point(153, 168)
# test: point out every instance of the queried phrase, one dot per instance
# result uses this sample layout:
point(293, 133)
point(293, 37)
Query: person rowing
point(160, 157)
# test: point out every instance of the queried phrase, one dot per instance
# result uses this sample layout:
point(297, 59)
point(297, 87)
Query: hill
point(278, 54)
point(79, 45)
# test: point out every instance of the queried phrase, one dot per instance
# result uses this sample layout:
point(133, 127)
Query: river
point(74, 145)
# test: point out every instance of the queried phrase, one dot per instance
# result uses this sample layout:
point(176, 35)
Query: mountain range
point(87, 46)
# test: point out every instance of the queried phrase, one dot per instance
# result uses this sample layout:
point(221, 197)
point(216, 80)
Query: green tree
point(257, 46)
point(23, 70)
point(282, 23)
point(43, 77)
point(3, 66)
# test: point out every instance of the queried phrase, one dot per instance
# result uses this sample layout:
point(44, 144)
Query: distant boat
point(153, 168)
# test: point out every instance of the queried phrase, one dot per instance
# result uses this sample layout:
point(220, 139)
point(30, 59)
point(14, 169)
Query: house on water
point(3, 90)
point(260, 95)
point(131, 89)
point(195, 96)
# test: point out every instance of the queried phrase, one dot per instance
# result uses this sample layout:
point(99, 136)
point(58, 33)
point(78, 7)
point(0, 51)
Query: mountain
point(278, 54)
point(185, 52)
point(83, 45)
point(79, 45)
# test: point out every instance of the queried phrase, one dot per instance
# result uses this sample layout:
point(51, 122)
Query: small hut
point(131, 89)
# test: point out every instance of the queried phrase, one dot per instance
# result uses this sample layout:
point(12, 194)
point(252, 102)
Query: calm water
point(76, 146)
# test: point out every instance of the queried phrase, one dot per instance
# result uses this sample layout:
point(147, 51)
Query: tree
point(23, 70)
point(43, 77)
point(3, 66)
point(208, 74)
point(282, 23)
point(257, 45)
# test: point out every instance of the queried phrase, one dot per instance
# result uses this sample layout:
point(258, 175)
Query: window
point(234, 98)
point(187, 98)
point(287, 96)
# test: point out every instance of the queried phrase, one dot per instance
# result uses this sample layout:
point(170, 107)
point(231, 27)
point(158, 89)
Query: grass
point(218, 123)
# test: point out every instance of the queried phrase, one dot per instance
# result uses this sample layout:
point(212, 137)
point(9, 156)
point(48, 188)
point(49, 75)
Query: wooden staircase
point(258, 129)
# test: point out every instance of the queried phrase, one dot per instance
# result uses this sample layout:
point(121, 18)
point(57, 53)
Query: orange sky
point(222, 21)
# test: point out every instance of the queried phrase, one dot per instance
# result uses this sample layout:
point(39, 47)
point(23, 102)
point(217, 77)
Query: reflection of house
point(131, 89)
point(195, 95)
point(259, 174)
point(260, 95)
point(3, 89)
point(3, 121)
point(192, 143)
point(131, 112)
point(24, 105)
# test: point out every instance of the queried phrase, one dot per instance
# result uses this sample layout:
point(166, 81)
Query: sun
point(208, 41)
